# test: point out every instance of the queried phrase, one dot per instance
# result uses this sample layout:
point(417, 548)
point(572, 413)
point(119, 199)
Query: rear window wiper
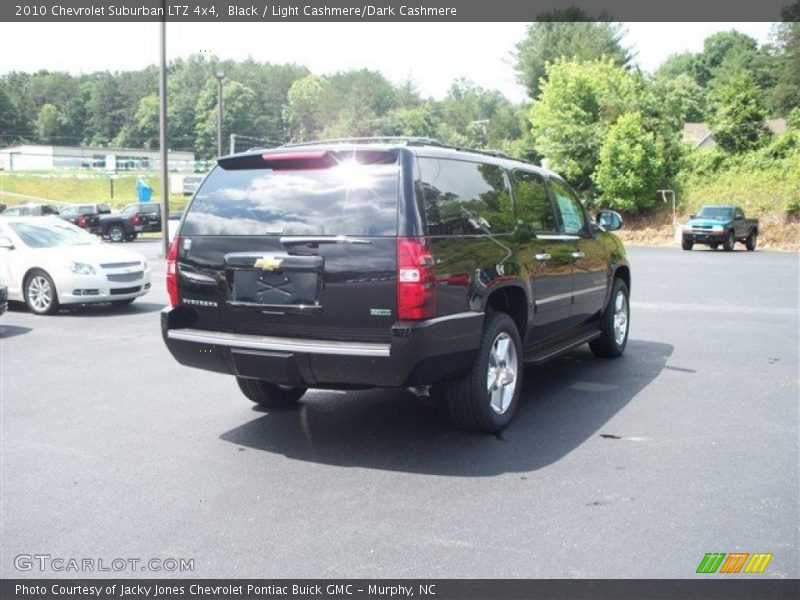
point(315, 240)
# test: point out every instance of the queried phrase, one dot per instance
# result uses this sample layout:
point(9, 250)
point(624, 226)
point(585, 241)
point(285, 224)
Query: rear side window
point(534, 210)
point(464, 198)
point(341, 195)
point(570, 208)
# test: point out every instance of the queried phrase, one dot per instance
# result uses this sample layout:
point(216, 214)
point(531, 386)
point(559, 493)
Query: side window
point(569, 207)
point(464, 198)
point(739, 213)
point(534, 211)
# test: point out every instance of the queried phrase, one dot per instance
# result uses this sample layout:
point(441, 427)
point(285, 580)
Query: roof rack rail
point(408, 141)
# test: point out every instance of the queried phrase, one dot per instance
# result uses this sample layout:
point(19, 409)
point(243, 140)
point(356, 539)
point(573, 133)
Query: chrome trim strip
point(263, 342)
point(557, 237)
point(597, 288)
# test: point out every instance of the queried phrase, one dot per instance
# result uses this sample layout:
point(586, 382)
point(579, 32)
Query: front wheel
point(687, 244)
point(116, 234)
point(486, 397)
point(751, 241)
point(614, 323)
point(40, 293)
point(730, 242)
point(268, 394)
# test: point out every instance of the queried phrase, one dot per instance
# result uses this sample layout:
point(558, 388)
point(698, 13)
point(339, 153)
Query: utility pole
point(233, 143)
point(220, 77)
point(162, 133)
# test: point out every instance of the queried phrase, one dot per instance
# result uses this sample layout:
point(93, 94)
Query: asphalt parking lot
point(634, 467)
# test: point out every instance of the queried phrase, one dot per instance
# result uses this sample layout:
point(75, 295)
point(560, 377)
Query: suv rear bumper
point(419, 353)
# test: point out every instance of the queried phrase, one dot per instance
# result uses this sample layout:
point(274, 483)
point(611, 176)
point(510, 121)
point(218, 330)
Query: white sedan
point(48, 262)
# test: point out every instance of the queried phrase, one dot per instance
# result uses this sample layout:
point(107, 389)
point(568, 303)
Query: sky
point(430, 54)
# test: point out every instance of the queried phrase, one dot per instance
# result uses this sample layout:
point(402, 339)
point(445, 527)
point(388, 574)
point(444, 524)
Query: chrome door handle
point(543, 256)
point(578, 255)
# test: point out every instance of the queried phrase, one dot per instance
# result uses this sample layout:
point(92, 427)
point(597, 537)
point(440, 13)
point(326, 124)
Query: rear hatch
point(294, 244)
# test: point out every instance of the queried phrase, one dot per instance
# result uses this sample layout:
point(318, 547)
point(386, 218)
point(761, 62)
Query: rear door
point(544, 253)
point(589, 259)
point(301, 245)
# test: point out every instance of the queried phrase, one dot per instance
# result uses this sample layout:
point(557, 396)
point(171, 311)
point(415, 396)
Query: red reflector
point(172, 272)
point(134, 220)
point(416, 279)
point(81, 222)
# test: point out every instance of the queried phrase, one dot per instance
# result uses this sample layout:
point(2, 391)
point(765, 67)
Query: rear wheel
point(751, 241)
point(486, 397)
point(687, 244)
point(268, 394)
point(730, 242)
point(116, 234)
point(40, 293)
point(614, 324)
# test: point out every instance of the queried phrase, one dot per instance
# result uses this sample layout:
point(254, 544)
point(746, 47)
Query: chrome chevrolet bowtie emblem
point(268, 263)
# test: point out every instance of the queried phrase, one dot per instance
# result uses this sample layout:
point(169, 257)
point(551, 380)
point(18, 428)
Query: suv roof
point(430, 146)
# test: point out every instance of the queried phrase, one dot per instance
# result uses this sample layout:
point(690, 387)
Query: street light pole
point(220, 76)
point(162, 134)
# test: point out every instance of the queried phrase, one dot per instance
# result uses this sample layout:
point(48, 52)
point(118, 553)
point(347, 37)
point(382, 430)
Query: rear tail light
point(81, 221)
point(416, 279)
point(135, 220)
point(172, 272)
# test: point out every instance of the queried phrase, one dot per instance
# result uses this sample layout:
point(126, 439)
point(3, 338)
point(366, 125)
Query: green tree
point(629, 171)
point(737, 119)
point(787, 62)
point(11, 124)
point(569, 33)
point(143, 131)
point(303, 112)
point(237, 115)
point(49, 123)
point(577, 105)
point(105, 109)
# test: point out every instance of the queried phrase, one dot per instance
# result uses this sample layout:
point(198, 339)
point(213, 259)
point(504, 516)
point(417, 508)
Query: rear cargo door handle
point(543, 256)
point(577, 255)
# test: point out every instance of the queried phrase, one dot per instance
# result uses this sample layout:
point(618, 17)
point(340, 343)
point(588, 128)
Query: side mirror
point(6, 243)
point(609, 220)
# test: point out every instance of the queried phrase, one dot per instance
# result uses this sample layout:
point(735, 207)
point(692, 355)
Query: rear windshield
point(349, 195)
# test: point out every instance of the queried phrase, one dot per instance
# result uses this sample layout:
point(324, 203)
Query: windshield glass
point(348, 198)
point(50, 235)
point(719, 213)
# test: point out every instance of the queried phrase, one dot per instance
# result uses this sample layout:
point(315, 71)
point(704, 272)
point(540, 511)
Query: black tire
point(687, 244)
point(730, 241)
point(126, 302)
point(751, 241)
point(131, 236)
point(714, 245)
point(40, 293)
point(468, 398)
point(609, 345)
point(268, 394)
point(116, 233)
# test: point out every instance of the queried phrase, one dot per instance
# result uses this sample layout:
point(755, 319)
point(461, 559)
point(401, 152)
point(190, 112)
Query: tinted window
point(534, 210)
point(348, 198)
point(716, 212)
point(569, 208)
point(464, 198)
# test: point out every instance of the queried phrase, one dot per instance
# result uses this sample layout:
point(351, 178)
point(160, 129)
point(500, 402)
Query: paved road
point(628, 468)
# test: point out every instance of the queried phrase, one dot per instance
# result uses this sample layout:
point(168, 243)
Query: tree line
point(610, 129)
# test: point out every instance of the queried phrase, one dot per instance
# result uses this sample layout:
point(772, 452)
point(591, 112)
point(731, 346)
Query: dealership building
point(29, 157)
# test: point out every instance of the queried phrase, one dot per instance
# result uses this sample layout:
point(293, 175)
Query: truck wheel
point(486, 397)
point(750, 242)
point(40, 293)
point(614, 324)
point(730, 241)
point(116, 233)
point(687, 244)
point(268, 394)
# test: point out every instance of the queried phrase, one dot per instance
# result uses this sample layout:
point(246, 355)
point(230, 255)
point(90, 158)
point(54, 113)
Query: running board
point(538, 354)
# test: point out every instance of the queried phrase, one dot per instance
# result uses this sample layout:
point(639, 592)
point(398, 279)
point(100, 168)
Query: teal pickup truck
point(715, 225)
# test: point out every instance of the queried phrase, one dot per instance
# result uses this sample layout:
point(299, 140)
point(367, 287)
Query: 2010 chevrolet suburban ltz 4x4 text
point(391, 263)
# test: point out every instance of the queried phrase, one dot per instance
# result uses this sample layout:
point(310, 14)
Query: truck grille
point(121, 265)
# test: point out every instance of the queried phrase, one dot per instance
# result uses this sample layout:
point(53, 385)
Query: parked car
point(145, 216)
point(400, 264)
point(31, 210)
point(99, 220)
point(48, 263)
point(715, 225)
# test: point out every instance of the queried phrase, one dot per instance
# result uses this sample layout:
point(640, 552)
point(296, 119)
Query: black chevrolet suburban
point(351, 264)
